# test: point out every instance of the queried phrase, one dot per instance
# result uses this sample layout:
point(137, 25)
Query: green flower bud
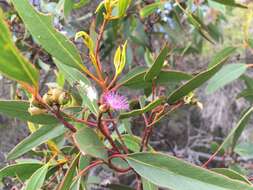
point(63, 98)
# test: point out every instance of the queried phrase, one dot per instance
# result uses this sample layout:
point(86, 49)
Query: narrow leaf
point(149, 9)
point(122, 6)
point(231, 174)
point(236, 132)
point(41, 28)
point(226, 75)
point(68, 178)
point(148, 185)
point(21, 170)
point(231, 3)
point(19, 110)
point(155, 69)
point(12, 63)
point(37, 138)
point(194, 83)
point(221, 56)
point(169, 172)
point(145, 109)
point(37, 179)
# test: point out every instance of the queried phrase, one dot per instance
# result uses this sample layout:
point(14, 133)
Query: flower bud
point(56, 92)
point(36, 103)
point(63, 98)
point(103, 108)
point(47, 99)
point(36, 111)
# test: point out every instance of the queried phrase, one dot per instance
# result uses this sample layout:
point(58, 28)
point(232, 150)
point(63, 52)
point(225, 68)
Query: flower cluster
point(115, 101)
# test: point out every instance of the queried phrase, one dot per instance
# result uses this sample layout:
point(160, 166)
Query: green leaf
point(199, 25)
point(80, 81)
point(133, 143)
point(169, 172)
point(69, 5)
point(122, 6)
point(155, 69)
point(12, 63)
point(37, 179)
point(43, 134)
point(68, 178)
point(231, 3)
point(170, 76)
point(22, 170)
point(194, 83)
point(148, 185)
point(145, 109)
point(231, 174)
point(135, 78)
point(244, 149)
point(41, 28)
point(247, 94)
point(19, 110)
point(241, 126)
point(222, 56)
point(137, 72)
point(81, 3)
point(226, 75)
point(89, 143)
point(149, 9)
point(236, 132)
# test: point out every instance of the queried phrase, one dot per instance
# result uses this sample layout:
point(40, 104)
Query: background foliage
point(134, 48)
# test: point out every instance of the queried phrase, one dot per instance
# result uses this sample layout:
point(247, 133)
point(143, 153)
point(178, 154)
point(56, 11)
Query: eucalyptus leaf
point(68, 178)
point(145, 109)
point(37, 138)
point(231, 174)
point(194, 83)
point(37, 179)
point(151, 8)
point(231, 3)
point(148, 185)
point(22, 170)
point(222, 55)
point(169, 172)
point(226, 75)
point(89, 143)
point(156, 67)
point(12, 63)
point(19, 110)
point(41, 28)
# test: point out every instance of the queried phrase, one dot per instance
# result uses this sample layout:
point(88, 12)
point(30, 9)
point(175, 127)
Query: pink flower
point(116, 101)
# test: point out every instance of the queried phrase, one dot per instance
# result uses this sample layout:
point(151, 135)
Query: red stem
point(105, 132)
point(120, 170)
point(100, 36)
point(89, 167)
point(119, 135)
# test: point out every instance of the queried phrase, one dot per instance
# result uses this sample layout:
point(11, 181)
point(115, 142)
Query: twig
point(119, 135)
